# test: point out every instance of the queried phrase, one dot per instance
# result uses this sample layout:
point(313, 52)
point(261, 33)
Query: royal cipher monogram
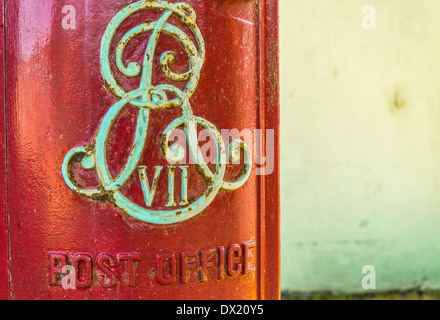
point(149, 97)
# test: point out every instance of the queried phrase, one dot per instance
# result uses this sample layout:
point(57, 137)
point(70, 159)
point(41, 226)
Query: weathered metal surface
point(269, 120)
point(114, 88)
point(149, 97)
point(4, 283)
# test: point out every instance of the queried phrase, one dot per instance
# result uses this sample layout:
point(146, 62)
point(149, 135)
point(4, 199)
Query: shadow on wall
point(415, 294)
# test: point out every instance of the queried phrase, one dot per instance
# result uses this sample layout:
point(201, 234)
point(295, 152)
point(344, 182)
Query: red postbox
point(140, 149)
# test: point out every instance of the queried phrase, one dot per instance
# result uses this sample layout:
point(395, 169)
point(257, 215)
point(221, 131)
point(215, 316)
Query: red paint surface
point(56, 100)
point(270, 184)
point(4, 282)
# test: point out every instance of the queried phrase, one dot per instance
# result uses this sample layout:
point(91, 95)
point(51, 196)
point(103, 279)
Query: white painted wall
point(360, 144)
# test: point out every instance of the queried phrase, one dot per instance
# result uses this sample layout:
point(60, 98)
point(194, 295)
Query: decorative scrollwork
point(149, 97)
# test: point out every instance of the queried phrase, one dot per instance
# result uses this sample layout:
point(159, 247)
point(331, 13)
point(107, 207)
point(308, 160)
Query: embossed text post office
point(140, 150)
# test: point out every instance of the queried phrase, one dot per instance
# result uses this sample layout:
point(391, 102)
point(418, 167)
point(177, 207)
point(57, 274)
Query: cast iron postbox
point(140, 145)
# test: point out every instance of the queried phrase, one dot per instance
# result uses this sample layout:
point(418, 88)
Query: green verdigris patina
point(149, 97)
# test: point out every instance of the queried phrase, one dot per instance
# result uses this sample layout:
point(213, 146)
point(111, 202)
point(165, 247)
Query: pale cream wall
point(360, 144)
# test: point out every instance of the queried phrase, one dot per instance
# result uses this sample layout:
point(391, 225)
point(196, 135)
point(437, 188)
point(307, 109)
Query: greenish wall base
point(415, 294)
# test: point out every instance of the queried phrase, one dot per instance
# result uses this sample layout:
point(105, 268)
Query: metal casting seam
point(6, 154)
point(262, 124)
